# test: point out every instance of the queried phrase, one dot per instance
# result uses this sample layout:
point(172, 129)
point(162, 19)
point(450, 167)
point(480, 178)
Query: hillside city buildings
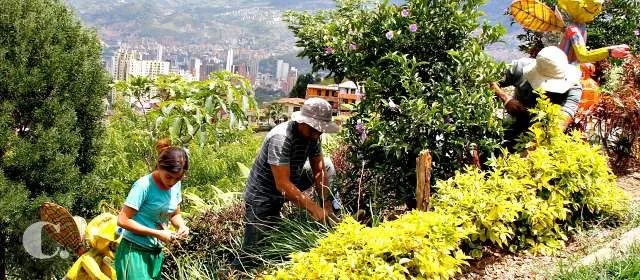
point(153, 60)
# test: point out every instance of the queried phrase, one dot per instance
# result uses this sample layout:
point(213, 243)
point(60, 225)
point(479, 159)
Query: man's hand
point(324, 216)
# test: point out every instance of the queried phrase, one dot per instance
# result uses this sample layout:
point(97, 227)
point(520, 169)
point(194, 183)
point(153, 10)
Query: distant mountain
point(193, 21)
point(249, 23)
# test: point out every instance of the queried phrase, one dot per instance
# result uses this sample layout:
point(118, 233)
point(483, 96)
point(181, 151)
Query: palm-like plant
point(275, 111)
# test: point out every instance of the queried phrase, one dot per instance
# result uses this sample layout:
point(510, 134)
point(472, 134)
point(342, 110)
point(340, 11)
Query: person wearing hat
point(279, 174)
point(552, 73)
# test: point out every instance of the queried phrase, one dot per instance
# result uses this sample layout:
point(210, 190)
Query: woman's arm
point(125, 221)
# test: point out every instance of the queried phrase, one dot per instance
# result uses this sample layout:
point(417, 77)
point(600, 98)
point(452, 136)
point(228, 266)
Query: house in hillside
point(290, 105)
point(338, 95)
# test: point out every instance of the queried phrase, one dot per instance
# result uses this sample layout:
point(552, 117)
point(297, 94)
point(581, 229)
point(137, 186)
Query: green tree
point(425, 75)
point(188, 110)
point(299, 90)
point(51, 105)
point(275, 111)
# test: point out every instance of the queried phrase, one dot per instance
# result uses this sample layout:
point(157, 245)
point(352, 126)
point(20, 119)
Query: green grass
point(626, 266)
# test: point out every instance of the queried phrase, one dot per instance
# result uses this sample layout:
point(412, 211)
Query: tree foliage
point(51, 104)
point(425, 75)
point(188, 111)
point(299, 90)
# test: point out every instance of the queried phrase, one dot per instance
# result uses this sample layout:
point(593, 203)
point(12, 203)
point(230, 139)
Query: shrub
point(213, 169)
point(214, 235)
point(425, 76)
point(419, 244)
point(531, 202)
point(617, 115)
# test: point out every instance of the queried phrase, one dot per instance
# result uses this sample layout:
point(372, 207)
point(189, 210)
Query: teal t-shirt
point(154, 206)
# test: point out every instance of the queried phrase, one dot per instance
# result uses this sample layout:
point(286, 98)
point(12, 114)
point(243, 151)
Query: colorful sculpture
point(536, 16)
point(590, 89)
point(100, 234)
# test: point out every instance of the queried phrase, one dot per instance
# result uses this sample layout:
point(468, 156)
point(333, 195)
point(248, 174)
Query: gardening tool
point(101, 236)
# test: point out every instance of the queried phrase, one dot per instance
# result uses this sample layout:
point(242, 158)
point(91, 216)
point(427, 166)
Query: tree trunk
point(423, 175)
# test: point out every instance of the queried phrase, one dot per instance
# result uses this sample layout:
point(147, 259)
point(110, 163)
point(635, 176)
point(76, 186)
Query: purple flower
point(353, 46)
point(413, 27)
point(389, 35)
point(328, 50)
point(404, 12)
point(363, 136)
point(636, 32)
point(361, 131)
point(359, 127)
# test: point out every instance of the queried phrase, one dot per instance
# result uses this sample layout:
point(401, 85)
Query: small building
point(337, 95)
point(290, 104)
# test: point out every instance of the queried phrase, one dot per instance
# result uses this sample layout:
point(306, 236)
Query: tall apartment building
point(197, 65)
point(148, 68)
point(229, 66)
point(120, 63)
point(279, 69)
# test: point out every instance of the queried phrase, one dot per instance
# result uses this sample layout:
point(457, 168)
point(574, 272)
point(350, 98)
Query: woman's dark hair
point(170, 158)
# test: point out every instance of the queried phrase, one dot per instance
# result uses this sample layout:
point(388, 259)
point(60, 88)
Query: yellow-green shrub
point(528, 202)
point(418, 245)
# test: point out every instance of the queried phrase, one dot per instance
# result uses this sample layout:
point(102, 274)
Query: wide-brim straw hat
point(551, 71)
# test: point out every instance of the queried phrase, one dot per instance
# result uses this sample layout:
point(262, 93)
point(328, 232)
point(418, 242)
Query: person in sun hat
point(279, 174)
point(551, 72)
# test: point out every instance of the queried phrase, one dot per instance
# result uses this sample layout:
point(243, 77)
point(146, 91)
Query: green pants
point(134, 262)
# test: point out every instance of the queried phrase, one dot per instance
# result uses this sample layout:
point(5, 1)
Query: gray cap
point(316, 112)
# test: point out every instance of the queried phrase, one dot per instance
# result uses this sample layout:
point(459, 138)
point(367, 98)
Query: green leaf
point(244, 170)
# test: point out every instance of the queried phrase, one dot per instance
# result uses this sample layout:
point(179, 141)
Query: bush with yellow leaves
point(419, 244)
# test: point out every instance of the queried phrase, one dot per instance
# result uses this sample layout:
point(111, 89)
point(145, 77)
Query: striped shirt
point(283, 145)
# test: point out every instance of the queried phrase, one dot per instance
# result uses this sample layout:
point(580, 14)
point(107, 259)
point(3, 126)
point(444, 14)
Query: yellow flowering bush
point(419, 245)
point(529, 202)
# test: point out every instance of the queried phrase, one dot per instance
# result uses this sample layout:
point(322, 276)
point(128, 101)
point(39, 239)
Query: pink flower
point(413, 27)
point(328, 50)
point(353, 46)
point(404, 12)
point(637, 32)
point(389, 35)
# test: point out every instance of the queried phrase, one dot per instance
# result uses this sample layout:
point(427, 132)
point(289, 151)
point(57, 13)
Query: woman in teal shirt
point(153, 202)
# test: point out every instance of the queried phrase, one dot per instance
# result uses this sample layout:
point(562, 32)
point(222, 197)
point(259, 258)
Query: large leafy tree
point(425, 75)
point(52, 86)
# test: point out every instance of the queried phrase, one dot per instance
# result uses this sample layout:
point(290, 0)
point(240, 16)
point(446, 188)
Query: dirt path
point(631, 184)
point(520, 267)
